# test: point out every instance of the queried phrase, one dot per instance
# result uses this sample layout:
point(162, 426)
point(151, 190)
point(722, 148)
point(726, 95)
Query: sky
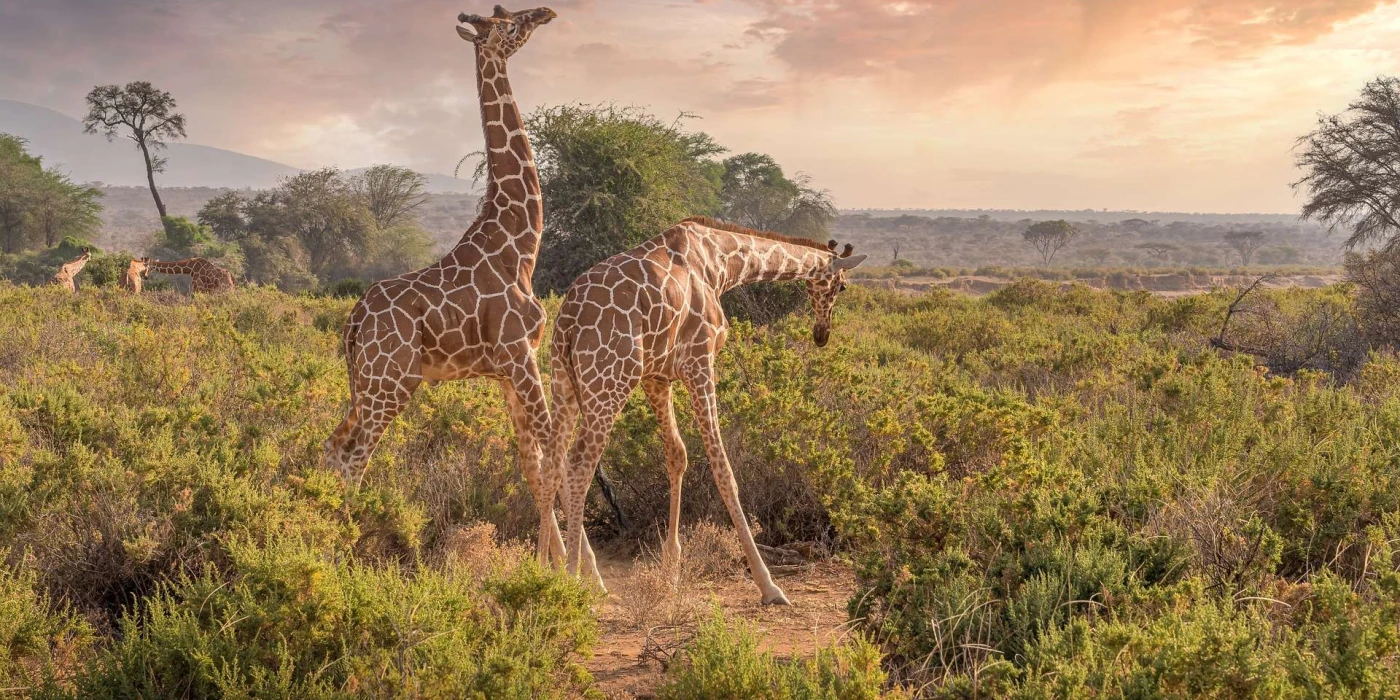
point(1154, 105)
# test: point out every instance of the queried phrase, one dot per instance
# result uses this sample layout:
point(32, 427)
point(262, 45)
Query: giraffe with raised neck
point(205, 277)
point(652, 316)
point(136, 272)
point(473, 313)
point(69, 272)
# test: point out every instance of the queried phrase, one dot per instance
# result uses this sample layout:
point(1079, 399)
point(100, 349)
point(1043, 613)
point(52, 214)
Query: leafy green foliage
point(613, 177)
point(40, 207)
point(724, 661)
point(323, 226)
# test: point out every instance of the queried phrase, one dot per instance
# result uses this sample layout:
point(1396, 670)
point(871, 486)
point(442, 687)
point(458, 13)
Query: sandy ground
point(816, 617)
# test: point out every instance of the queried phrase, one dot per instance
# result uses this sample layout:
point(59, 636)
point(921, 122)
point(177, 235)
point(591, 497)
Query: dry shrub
point(475, 549)
point(711, 552)
point(673, 594)
point(1230, 542)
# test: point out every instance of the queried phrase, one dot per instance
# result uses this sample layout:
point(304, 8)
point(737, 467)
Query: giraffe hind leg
point(385, 369)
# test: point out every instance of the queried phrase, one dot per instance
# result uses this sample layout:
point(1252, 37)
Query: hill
point(60, 140)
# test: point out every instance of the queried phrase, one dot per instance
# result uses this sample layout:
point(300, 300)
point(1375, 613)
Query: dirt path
point(817, 617)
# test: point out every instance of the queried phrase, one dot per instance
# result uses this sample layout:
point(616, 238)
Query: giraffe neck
point(512, 182)
point(179, 267)
point(73, 268)
point(736, 259)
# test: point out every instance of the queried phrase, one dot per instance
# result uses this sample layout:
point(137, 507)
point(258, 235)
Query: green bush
point(724, 661)
point(289, 622)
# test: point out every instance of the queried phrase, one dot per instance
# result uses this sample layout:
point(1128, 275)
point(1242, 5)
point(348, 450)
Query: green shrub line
point(1043, 493)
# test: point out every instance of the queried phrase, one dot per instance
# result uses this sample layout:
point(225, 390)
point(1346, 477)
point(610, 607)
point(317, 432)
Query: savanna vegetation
point(1044, 493)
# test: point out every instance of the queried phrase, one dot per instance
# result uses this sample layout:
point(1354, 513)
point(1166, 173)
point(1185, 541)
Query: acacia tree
point(1244, 243)
point(391, 193)
point(1048, 237)
point(755, 192)
point(146, 115)
point(1155, 250)
point(1351, 166)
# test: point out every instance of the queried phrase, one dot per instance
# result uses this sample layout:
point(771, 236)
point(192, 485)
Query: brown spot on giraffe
point(652, 316)
point(66, 275)
point(136, 273)
point(205, 277)
point(473, 313)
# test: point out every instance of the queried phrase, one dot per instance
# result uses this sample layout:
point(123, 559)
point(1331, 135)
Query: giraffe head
point(823, 287)
point(140, 267)
point(504, 32)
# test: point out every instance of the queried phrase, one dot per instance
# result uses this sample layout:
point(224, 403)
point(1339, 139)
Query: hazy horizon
point(1158, 105)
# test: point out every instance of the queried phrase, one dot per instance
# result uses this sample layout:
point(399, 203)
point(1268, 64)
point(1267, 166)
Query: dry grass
point(673, 594)
point(476, 550)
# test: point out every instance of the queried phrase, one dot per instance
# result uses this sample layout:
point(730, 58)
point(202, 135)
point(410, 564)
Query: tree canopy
point(141, 112)
point(323, 226)
point(1351, 166)
point(1048, 237)
point(40, 207)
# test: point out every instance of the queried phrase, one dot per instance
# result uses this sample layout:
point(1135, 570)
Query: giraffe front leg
point(658, 392)
point(529, 414)
point(701, 385)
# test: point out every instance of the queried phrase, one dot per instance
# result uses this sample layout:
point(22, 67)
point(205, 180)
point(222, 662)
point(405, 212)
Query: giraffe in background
point(205, 277)
point(69, 272)
point(652, 316)
point(136, 271)
point(473, 313)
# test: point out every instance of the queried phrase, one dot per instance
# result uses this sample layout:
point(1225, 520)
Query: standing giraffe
point(135, 273)
point(652, 316)
point(205, 277)
point(473, 313)
point(66, 274)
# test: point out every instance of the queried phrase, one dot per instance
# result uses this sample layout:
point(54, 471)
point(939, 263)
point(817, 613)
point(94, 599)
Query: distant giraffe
point(652, 316)
point(135, 273)
point(473, 313)
point(69, 272)
point(205, 277)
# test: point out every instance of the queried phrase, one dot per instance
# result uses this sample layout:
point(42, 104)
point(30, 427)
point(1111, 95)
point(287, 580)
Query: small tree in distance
point(1244, 243)
point(1155, 250)
point(1048, 237)
point(148, 117)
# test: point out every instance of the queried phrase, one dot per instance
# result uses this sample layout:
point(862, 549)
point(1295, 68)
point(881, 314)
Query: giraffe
point(473, 313)
point(66, 274)
point(205, 277)
point(652, 316)
point(135, 273)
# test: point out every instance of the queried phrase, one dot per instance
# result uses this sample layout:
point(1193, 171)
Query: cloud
point(954, 43)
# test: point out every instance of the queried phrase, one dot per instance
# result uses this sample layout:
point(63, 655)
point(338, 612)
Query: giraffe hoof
point(775, 598)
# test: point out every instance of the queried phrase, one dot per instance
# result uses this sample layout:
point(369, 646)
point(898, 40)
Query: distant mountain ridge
point(60, 140)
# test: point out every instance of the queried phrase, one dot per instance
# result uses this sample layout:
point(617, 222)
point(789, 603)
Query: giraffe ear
point(847, 263)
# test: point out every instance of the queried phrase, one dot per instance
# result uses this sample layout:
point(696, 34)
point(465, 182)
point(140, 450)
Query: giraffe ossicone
point(473, 313)
point(651, 316)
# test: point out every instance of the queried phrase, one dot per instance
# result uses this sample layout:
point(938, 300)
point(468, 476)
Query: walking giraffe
point(136, 272)
point(69, 272)
point(205, 277)
point(652, 316)
point(473, 313)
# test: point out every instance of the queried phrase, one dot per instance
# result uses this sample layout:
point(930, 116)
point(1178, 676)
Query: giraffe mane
point(735, 228)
